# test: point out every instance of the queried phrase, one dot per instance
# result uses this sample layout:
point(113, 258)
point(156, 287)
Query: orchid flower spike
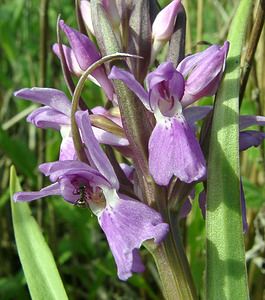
point(126, 222)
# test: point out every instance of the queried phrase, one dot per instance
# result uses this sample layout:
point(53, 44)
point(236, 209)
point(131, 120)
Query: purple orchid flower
point(56, 114)
point(81, 55)
point(173, 148)
point(126, 222)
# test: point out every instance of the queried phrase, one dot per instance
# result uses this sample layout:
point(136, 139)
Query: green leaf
point(226, 270)
point(40, 270)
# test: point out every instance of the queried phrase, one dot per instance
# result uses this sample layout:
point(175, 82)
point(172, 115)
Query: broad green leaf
point(226, 271)
point(40, 270)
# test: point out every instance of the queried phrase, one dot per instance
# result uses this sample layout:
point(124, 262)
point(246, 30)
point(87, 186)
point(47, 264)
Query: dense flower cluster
point(174, 151)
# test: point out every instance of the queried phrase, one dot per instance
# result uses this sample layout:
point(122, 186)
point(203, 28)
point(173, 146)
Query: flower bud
point(163, 26)
point(164, 22)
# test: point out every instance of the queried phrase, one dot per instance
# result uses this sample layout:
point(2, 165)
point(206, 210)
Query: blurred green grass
point(80, 249)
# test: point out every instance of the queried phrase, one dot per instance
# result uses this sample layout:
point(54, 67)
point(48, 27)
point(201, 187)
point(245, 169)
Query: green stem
point(199, 26)
point(173, 266)
point(252, 47)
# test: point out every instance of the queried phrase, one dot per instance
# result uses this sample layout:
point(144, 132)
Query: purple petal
point(174, 150)
point(72, 63)
point(46, 117)
point(112, 115)
point(72, 168)
point(127, 225)
point(52, 189)
point(247, 121)
point(187, 205)
point(203, 91)
point(67, 189)
point(105, 83)
point(166, 88)
point(86, 53)
point(204, 74)
point(250, 138)
point(176, 85)
point(95, 154)
point(128, 171)
point(86, 15)
point(104, 137)
point(194, 113)
point(164, 22)
point(132, 84)
point(163, 72)
point(67, 149)
point(47, 96)
point(189, 62)
point(70, 58)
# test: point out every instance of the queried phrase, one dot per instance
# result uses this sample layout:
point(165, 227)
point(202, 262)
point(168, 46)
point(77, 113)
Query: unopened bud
point(164, 22)
point(163, 26)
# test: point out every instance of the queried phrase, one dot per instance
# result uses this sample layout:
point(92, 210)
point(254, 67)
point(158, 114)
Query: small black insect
point(82, 200)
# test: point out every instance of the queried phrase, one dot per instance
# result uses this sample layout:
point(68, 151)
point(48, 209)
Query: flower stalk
point(172, 263)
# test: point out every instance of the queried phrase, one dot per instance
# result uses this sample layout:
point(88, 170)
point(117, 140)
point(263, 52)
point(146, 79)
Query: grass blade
point(41, 273)
point(226, 270)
